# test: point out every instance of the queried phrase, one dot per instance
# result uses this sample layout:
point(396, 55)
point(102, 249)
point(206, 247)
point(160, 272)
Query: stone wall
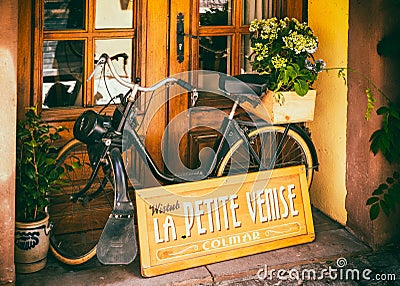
point(8, 107)
point(369, 22)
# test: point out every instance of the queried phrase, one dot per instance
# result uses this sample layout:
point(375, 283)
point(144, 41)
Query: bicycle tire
point(295, 151)
point(77, 226)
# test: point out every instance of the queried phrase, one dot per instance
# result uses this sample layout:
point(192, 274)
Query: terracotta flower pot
point(31, 245)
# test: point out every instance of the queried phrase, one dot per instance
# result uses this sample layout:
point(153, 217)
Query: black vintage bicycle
point(98, 186)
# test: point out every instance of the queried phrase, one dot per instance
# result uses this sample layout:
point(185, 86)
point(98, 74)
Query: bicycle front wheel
point(294, 151)
point(78, 224)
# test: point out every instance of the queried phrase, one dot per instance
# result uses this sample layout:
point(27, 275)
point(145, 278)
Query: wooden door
point(157, 59)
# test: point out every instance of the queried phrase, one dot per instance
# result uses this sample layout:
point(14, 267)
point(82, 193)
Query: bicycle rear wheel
point(77, 225)
point(295, 151)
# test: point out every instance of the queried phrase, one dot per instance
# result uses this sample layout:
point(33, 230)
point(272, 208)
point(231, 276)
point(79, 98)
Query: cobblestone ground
point(375, 268)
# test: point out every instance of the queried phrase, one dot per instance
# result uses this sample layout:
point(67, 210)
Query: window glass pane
point(256, 9)
point(62, 73)
point(215, 12)
point(215, 53)
point(103, 92)
point(245, 66)
point(64, 14)
point(114, 14)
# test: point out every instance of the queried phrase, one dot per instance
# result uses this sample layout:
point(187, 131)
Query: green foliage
point(387, 139)
point(370, 104)
point(36, 158)
point(283, 50)
point(292, 77)
point(385, 197)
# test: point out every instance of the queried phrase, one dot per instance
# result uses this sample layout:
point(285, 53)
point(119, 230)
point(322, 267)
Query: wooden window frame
point(90, 34)
point(237, 29)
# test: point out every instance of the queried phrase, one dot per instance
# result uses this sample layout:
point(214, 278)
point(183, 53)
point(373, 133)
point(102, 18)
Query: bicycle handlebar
point(105, 59)
point(121, 55)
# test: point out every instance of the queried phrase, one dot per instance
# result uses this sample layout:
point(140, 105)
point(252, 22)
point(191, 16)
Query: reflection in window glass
point(245, 66)
point(114, 14)
point(215, 53)
point(64, 14)
point(215, 12)
point(256, 9)
point(103, 92)
point(62, 73)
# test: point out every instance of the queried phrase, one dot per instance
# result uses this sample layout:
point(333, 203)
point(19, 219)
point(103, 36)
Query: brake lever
point(101, 61)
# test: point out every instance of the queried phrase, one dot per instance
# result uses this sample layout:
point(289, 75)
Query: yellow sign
point(198, 223)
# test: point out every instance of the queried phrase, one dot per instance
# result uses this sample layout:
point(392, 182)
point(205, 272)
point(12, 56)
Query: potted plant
point(36, 174)
point(283, 50)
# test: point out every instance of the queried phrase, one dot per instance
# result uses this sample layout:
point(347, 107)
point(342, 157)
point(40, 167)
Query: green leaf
point(301, 87)
point(382, 110)
point(76, 165)
point(389, 180)
point(377, 192)
point(383, 186)
point(372, 200)
point(374, 211)
point(380, 190)
point(394, 112)
point(395, 191)
point(390, 201)
point(379, 142)
point(376, 134)
point(370, 104)
point(30, 172)
point(385, 208)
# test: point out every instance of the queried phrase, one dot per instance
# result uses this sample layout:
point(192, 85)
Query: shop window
point(71, 36)
point(223, 29)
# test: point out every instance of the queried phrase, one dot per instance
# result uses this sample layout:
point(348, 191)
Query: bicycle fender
point(117, 244)
point(309, 142)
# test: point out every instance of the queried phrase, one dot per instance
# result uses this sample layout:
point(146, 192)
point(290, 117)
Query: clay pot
point(31, 245)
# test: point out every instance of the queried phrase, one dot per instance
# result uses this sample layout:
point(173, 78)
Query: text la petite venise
point(221, 213)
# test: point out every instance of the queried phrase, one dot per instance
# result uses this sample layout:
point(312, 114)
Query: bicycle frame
point(230, 132)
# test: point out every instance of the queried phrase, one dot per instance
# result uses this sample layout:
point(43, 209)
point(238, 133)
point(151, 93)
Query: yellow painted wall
point(329, 20)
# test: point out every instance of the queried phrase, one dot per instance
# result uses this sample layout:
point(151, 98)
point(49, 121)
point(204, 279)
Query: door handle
point(180, 38)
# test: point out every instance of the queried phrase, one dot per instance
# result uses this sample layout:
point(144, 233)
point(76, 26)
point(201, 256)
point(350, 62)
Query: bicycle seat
point(244, 84)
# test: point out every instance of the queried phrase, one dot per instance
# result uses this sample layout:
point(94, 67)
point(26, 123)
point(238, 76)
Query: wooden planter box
point(294, 109)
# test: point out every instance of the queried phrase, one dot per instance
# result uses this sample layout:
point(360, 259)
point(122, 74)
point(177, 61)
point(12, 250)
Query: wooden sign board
point(198, 223)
